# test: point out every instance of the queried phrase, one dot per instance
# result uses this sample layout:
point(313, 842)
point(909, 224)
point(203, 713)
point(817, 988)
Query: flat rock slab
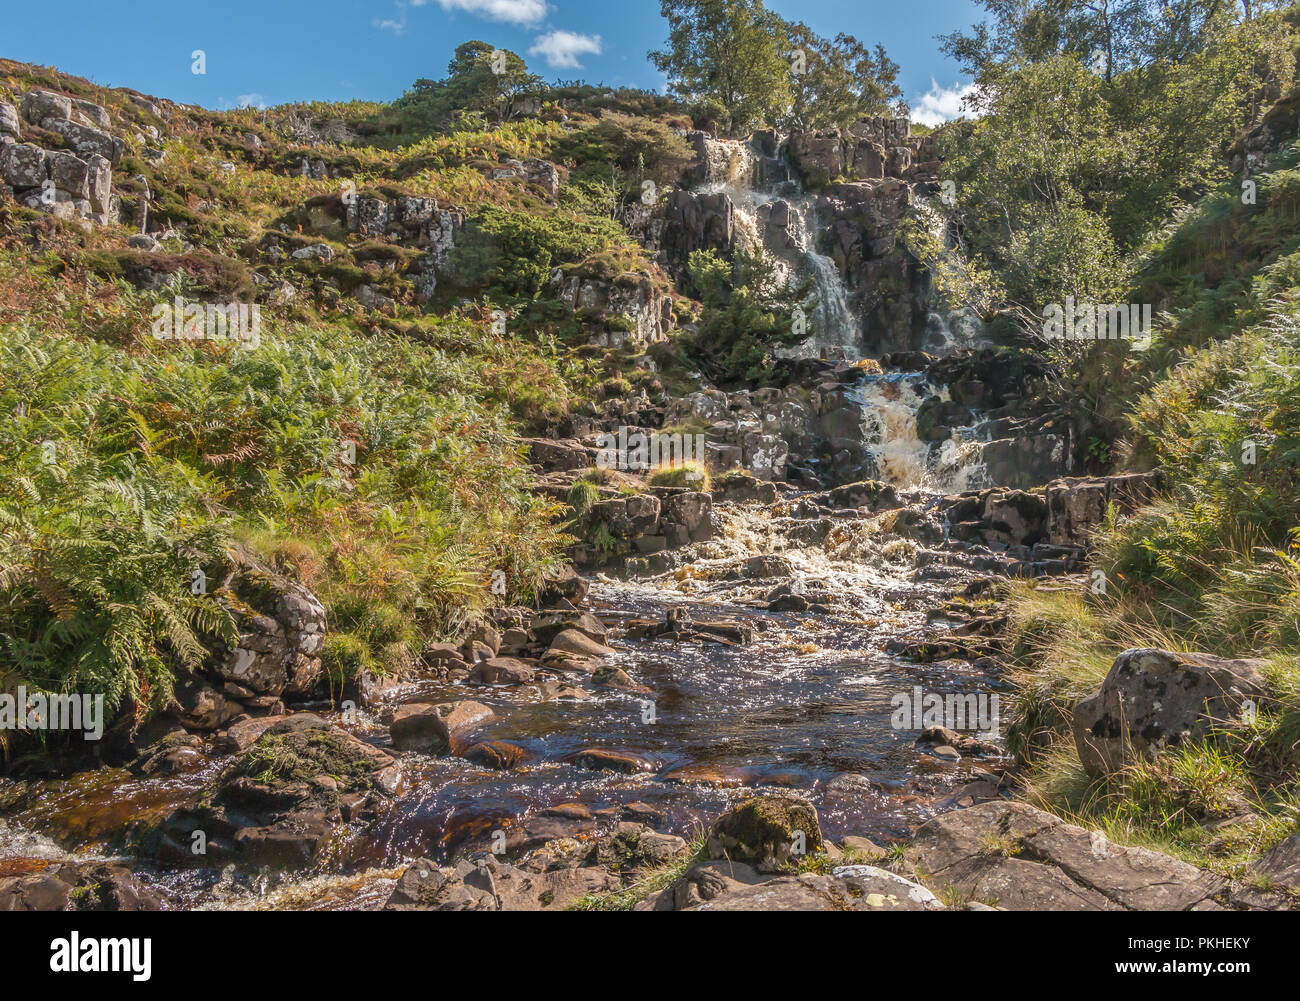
point(494, 886)
point(723, 885)
point(1018, 857)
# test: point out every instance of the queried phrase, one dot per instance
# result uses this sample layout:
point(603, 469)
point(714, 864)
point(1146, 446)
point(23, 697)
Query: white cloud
point(561, 49)
point(250, 101)
point(397, 25)
point(941, 104)
point(525, 13)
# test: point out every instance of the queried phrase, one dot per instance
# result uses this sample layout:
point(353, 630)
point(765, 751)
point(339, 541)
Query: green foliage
point(472, 92)
point(513, 254)
point(690, 474)
point(748, 315)
point(126, 472)
point(638, 148)
point(1093, 130)
point(842, 81)
point(727, 60)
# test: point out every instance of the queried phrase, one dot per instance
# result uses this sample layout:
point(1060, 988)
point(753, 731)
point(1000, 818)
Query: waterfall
point(782, 224)
point(889, 427)
point(958, 328)
point(779, 219)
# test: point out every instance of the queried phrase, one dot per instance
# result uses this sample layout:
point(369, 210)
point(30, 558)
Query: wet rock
point(692, 511)
point(570, 663)
point(870, 494)
point(281, 802)
point(1022, 858)
point(632, 848)
point(577, 643)
point(435, 729)
point(244, 734)
point(203, 707)
point(769, 832)
point(963, 743)
point(1153, 699)
point(788, 603)
point(554, 691)
point(78, 887)
point(548, 625)
point(175, 754)
point(718, 776)
point(612, 760)
point(768, 566)
point(613, 677)
point(502, 671)
point(498, 754)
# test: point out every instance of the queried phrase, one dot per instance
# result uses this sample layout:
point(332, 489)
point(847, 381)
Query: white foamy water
point(890, 407)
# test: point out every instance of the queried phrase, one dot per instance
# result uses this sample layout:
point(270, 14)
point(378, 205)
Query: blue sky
point(271, 51)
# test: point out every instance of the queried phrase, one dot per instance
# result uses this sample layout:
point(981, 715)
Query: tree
point(1073, 162)
point(726, 59)
point(481, 79)
point(835, 83)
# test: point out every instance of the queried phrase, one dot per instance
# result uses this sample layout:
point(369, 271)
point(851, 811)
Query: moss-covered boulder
point(281, 802)
point(769, 832)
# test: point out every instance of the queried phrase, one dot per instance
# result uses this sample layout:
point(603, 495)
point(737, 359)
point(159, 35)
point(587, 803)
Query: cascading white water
point(730, 166)
point(890, 405)
point(784, 227)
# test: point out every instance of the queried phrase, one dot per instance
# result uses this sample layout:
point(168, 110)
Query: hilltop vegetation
point(371, 452)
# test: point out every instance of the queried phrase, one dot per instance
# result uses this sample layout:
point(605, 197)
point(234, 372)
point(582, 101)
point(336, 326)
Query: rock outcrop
point(1016, 857)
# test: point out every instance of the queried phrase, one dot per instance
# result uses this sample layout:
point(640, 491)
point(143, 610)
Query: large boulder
point(281, 631)
point(43, 105)
point(693, 511)
point(1153, 699)
point(86, 139)
point(281, 802)
point(819, 157)
point(23, 165)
